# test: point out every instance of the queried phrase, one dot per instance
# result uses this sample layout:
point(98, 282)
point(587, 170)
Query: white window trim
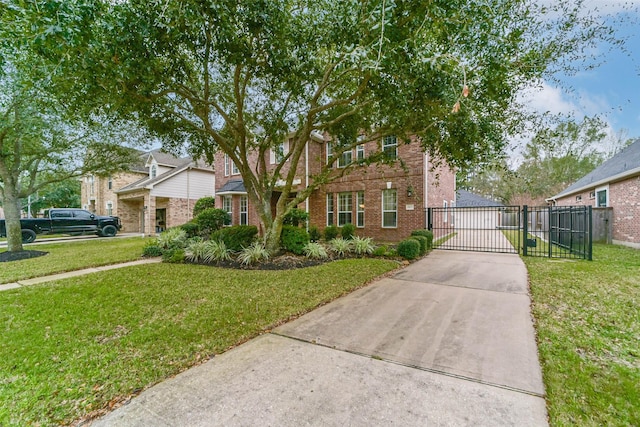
point(360, 209)
point(384, 211)
point(340, 159)
point(359, 151)
point(230, 207)
point(603, 188)
point(332, 211)
point(329, 153)
point(350, 207)
point(274, 155)
point(395, 144)
point(244, 210)
point(226, 165)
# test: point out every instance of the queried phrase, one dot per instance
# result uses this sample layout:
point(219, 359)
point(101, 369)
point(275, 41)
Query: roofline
point(174, 172)
point(607, 180)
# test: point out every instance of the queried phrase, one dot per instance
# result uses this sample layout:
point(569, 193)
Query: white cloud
point(545, 98)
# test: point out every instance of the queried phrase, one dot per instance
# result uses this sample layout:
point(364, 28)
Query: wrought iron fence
point(549, 231)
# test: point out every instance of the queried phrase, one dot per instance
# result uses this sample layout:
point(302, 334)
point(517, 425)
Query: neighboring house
point(158, 192)
point(615, 184)
point(385, 202)
point(476, 218)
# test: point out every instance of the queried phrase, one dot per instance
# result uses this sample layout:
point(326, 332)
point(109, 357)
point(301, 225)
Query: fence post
point(430, 219)
point(525, 230)
point(550, 226)
point(590, 236)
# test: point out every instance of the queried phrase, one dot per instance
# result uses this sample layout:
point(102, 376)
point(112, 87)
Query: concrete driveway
point(446, 341)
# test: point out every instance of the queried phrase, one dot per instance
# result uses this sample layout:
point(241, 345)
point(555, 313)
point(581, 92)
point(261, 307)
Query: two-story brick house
point(385, 202)
point(156, 193)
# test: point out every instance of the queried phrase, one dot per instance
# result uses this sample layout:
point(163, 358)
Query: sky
point(611, 90)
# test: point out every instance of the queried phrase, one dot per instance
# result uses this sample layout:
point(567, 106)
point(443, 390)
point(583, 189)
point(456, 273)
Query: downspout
point(189, 214)
point(306, 178)
point(426, 190)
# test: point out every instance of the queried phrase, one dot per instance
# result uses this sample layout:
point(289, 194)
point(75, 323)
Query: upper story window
point(154, 171)
point(390, 147)
point(110, 183)
point(360, 152)
point(230, 166)
point(278, 153)
point(345, 159)
point(329, 152)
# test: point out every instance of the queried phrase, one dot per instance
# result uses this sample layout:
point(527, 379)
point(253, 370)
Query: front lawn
point(587, 317)
point(68, 256)
point(75, 347)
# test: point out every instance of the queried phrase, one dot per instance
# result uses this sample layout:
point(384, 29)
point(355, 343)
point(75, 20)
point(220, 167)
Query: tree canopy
point(240, 77)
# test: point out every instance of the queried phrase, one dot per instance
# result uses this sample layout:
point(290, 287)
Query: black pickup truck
point(66, 221)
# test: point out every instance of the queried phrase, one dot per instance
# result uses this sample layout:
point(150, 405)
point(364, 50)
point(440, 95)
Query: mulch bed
point(281, 262)
point(19, 255)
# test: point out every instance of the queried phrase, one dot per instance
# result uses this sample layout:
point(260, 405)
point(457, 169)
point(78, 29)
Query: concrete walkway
point(447, 341)
point(59, 276)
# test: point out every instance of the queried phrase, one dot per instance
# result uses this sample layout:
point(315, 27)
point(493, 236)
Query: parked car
point(66, 221)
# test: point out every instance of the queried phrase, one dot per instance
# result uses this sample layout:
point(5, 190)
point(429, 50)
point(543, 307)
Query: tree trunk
point(12, 219)
point(272, 236)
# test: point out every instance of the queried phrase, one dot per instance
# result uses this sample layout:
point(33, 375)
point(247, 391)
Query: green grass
point(443, 239)
point(70, 256)
point(69, 348)
point(588, 322)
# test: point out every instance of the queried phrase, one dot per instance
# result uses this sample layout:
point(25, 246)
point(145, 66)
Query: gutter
point(599, 183)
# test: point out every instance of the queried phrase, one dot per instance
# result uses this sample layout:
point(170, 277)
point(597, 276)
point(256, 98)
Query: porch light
point(410, 191)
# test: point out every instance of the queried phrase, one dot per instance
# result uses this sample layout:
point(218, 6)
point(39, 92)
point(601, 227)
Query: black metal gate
point(549, 231)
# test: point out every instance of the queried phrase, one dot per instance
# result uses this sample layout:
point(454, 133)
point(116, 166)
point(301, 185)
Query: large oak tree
point(239, 76)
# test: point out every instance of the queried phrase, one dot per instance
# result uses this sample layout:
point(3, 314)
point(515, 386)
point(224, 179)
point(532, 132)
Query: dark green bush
point(380, 251)
point(426, 233)
point(175, 256)
point(211, 220)
point(202, 204)
point(348, 230)
point(409, 249)
point(295, 217)
point(151, 249)
point(314, 234)
point(294, 239)
point(191, 228)
point(236, 238)
point(331, 232)
point(423, 243)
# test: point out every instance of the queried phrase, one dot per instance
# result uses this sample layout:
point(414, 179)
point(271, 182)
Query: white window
point(226, 164)
point(109, 208)
point(345, 209)
point(345, 159)
point(228, 207)
point(109, 183)
point(579, 198)
point(389, 208)
point(244, 210)
point(329, 208)
point(329, 152)
point(602, 197)
point(279, 152)
point(360, 152)
point(390, 147)
point(154, 171)
point(592, 194)
point(360, 209)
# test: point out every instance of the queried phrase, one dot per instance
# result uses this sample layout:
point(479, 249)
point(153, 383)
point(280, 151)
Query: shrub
point(409, 249)
point(347, 231)
point(173, 238)
point(151, 249)
point(426, 233)
point(173, 255)
point(380, 251)
point(236, 238)
point(315, 250)
point(341, 246)
point(363, 245)
point(253, 253)
point(196, 251)
point(314, 234)
point(331, 232)
point(294, 239)
point(216, 251)
point(202, 204)
point(211, 220)
point(191, 228)
point(295, 217)
point(423, 243)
